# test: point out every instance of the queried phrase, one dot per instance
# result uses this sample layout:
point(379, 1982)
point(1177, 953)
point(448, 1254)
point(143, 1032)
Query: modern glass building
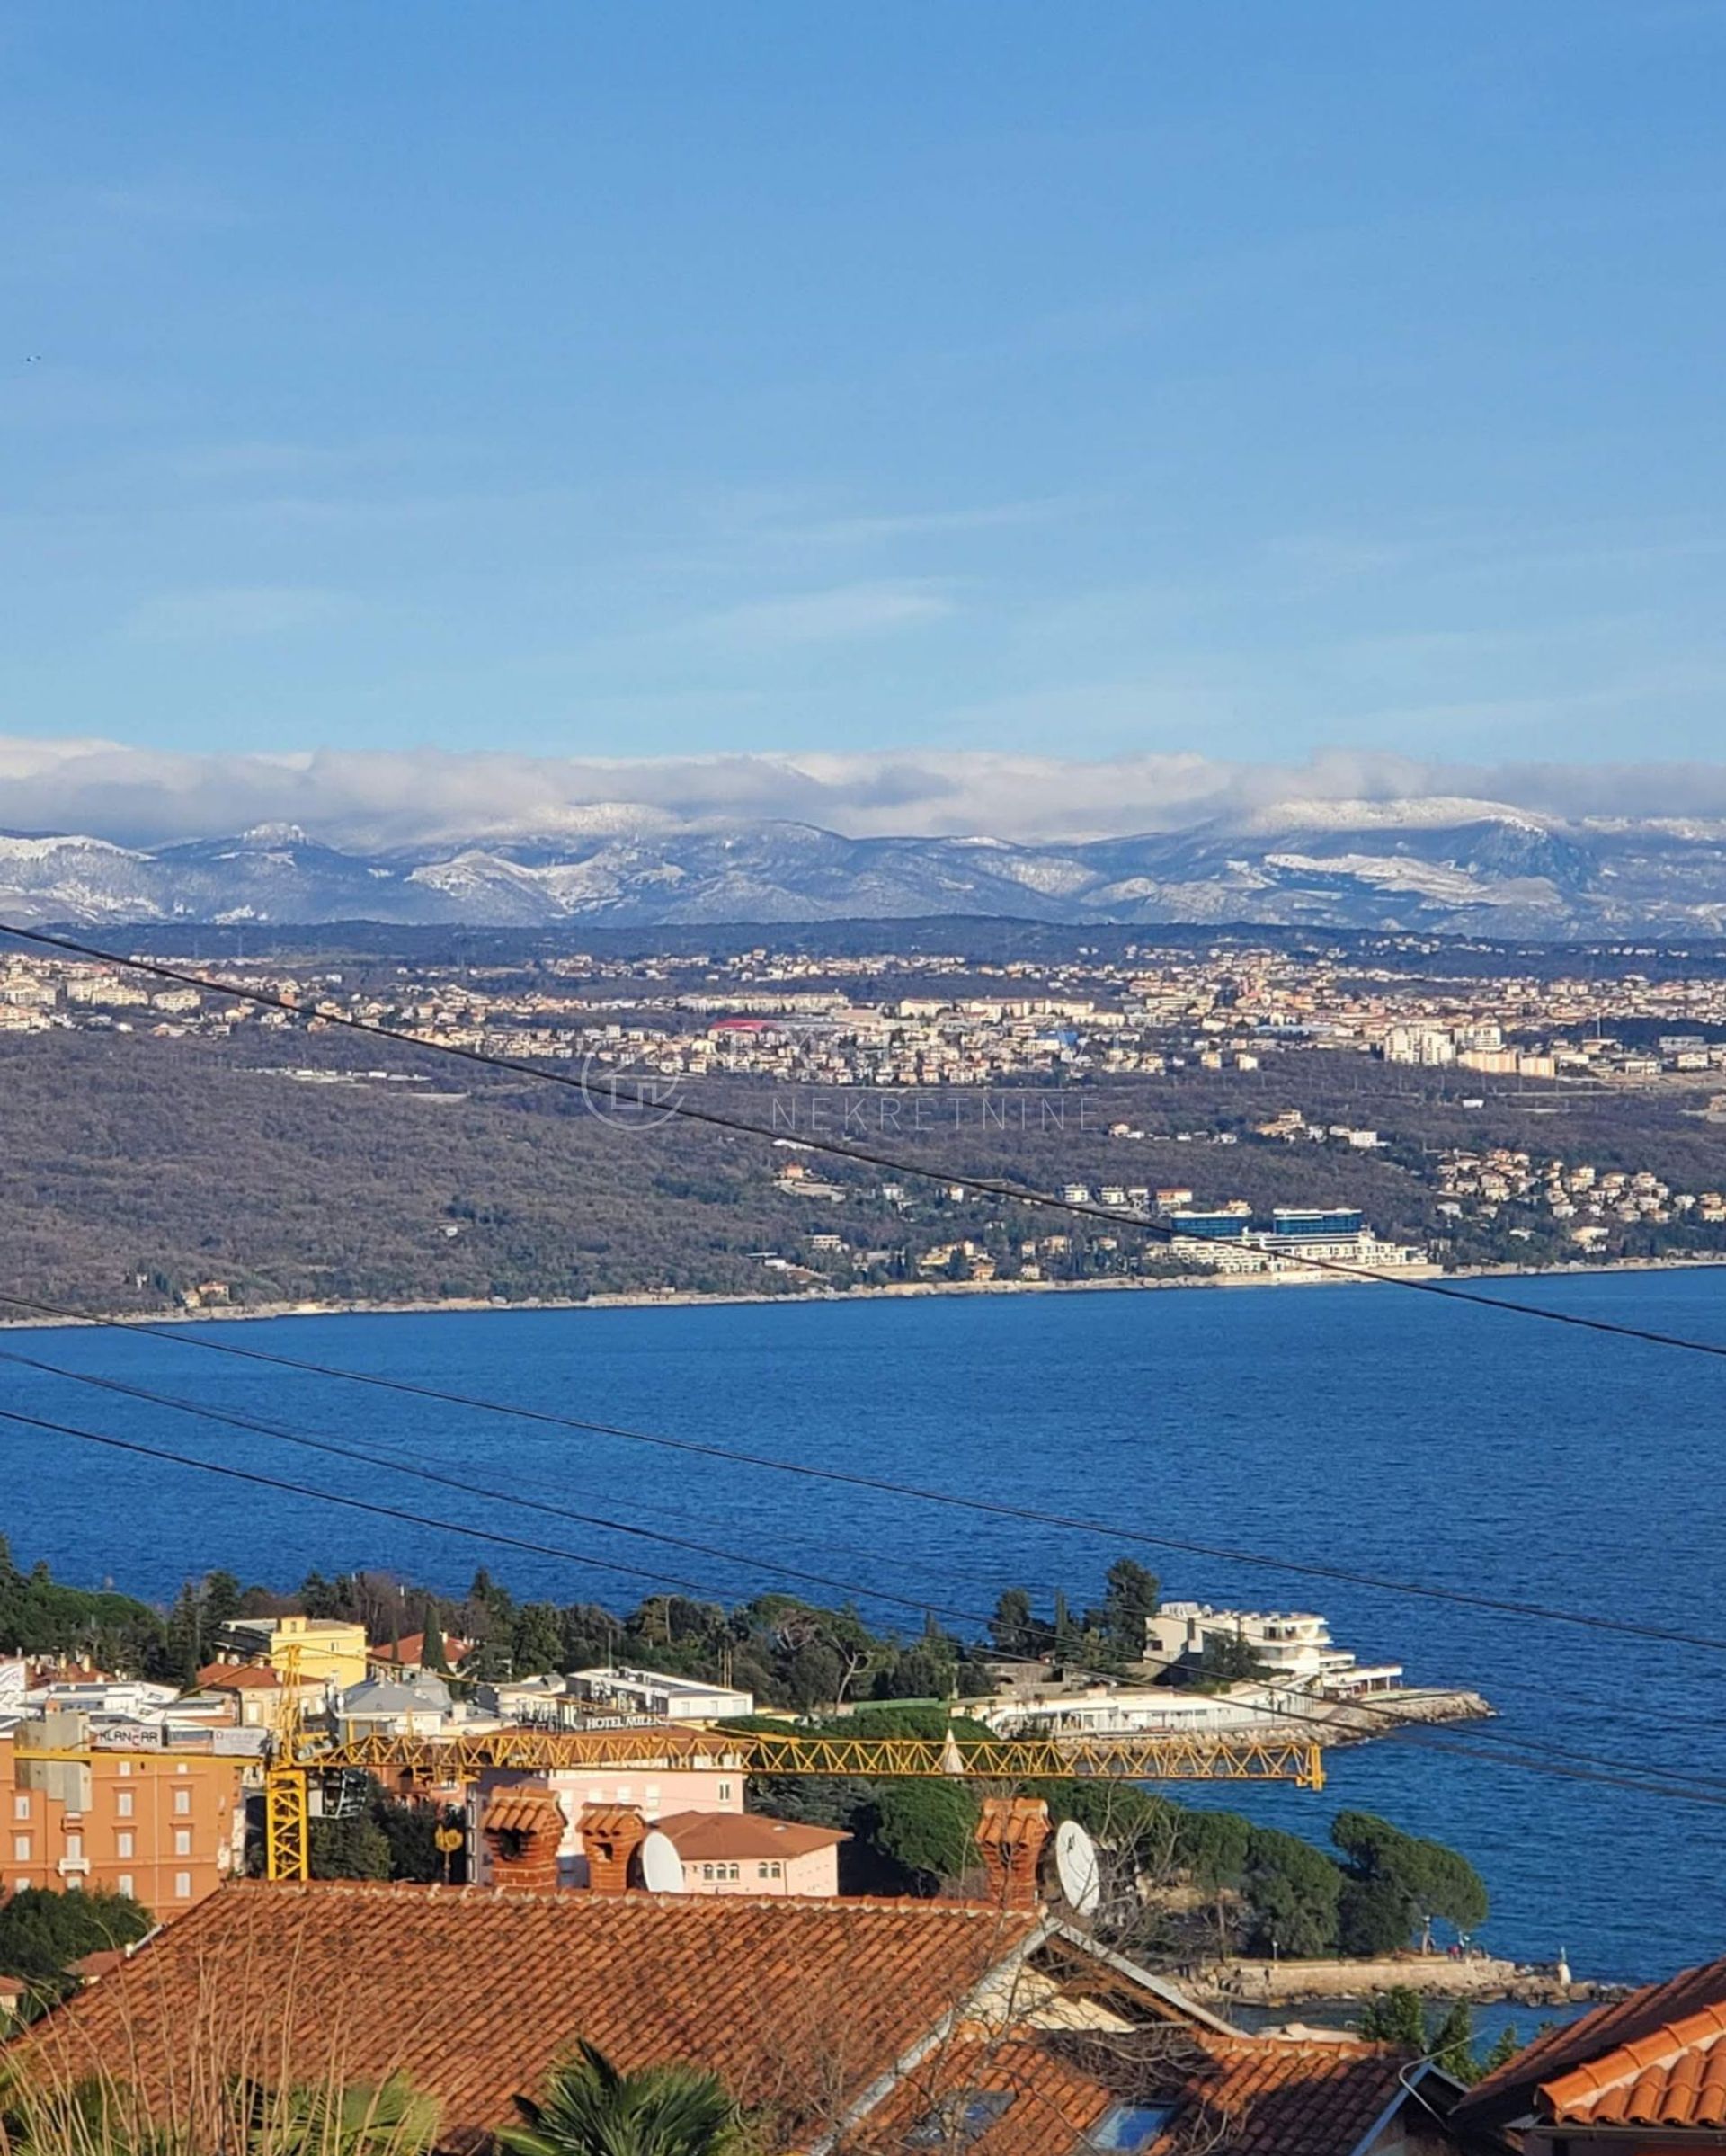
point(1329, 1221)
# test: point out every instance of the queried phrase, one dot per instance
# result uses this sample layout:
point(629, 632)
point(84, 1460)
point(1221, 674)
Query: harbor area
point(1207, 1671)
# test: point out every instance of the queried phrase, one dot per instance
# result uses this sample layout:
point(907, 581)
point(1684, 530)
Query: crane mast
point(432, 1761)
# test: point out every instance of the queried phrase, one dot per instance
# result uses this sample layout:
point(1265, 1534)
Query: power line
point(879, 1485)
point(1394, 1722)
point(330, 1497)
point(865, 1156)
point(1602, 1772)
point(921, 1604)
point(1002, 1189)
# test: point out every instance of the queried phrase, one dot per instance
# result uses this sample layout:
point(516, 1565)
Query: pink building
point(654, 1792)
point(747, 1853)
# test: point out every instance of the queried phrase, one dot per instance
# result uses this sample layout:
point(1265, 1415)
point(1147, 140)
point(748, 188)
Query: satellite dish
point(661, 1868)
point(1077, 1868)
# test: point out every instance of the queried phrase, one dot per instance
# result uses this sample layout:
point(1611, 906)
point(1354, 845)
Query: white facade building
point(1294, 1646)
point(654, 1696)
point(1142, 1710)
point(416, 1707)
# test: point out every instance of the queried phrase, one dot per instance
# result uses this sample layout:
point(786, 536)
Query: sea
point(1353, 1429)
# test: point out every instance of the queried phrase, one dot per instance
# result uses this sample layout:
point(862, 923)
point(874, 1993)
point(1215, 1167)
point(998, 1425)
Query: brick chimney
point(610, 1836)
point(523, 1825)
point(1011, 1835)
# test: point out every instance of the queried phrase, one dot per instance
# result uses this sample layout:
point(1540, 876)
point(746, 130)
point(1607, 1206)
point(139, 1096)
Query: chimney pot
point(610, 1836)
point(1011, 1835)
point(523, 1827)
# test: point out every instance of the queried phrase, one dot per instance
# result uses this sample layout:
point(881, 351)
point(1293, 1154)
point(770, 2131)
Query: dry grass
point(238, 2082)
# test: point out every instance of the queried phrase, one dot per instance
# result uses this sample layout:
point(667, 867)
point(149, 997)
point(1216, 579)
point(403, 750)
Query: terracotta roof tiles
point(791, 2001)
point(237, 1676)
point(1654, 2059)
point(733, 1836)
point(523, 1808)
point(1280, 2099)
point(1674, 2077)
point(1251, 2095)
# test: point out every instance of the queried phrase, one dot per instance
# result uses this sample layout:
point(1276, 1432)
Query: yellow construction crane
point(299, 1754)
point(430, 1761)
point(287, 1804)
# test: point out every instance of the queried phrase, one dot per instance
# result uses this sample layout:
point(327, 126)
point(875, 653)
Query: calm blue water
point(1382, 1432)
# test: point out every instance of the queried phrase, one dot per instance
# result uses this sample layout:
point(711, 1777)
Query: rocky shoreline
point(1479, 1978)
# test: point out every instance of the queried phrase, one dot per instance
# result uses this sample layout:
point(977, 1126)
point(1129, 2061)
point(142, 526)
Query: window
point(21, 1849)
point(183, 1886)
point(707, 1871)
point(1128, 2127)
point(123, 1884)
point(960, 2118)
point(182, 1841)
point(21, 1806)
point(123, 1803)
point(773, 1872)
point(724, 1793)
point(75, 1847)
point(183, 1802)
point(761, 1871)
point(125, 1766)
point(124, 1844)
point(733, 1872)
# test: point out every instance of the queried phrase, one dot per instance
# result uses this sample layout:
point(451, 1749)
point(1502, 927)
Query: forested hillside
point(134, 1169)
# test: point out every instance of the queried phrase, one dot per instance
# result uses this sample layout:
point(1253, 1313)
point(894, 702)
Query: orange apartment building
point(166, 1830)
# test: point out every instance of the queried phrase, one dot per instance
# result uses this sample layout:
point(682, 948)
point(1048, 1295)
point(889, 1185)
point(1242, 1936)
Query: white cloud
point(430, 796)
point(938, 523)
point(230, 610)
point(845, 611)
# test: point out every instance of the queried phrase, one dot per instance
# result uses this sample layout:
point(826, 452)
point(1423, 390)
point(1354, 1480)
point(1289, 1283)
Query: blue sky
point(1117, 381)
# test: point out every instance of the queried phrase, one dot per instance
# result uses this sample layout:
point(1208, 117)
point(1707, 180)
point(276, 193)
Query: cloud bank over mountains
point(142, 796)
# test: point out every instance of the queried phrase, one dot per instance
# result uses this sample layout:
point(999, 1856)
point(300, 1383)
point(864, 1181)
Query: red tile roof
point(802, 2003)
point(410, 1650)
point(237, 1677)
point(523, 1808)
point(1676, 2077)
point(1248, 2095)
point(730, 1837)
point(1654, 2059)
point(1272, 2098)
point(1052, 2101)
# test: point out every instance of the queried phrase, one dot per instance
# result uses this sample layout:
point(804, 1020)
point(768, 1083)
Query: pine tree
point(1452, 2047)
point(221, 1599)
point(182, 1650)
point(536, 1640)
point(1397, 2017)
point(1504, 2047)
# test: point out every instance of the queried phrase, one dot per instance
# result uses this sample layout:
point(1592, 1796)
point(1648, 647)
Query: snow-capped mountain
point(1437, 864)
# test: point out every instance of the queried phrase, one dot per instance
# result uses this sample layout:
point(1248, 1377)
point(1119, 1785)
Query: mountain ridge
point(1444, 865)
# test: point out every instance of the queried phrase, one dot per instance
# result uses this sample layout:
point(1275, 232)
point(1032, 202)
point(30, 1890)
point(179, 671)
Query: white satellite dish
point(1077, 1868)
point(661, 1868)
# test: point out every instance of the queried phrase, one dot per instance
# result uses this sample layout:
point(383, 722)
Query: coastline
point(674, 1299)
point(1242, 1980)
